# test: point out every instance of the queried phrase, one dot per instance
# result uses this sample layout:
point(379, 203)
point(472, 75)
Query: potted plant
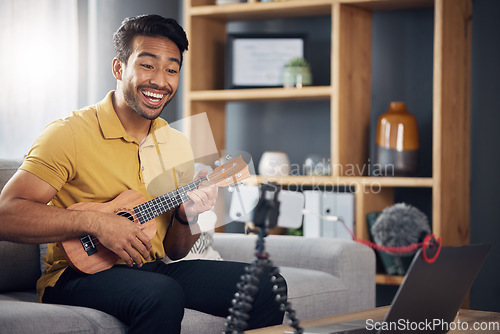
point(297, 73)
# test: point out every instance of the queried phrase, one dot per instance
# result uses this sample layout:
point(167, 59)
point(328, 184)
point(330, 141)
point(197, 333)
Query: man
point(93, 156)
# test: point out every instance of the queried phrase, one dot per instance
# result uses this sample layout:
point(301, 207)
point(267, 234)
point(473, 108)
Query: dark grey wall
point(485, 157)
point(402, 70)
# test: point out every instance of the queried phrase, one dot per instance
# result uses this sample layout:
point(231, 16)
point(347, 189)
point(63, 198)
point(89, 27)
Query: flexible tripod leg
point(248, 287)
point(280, 291)
point(265, 216)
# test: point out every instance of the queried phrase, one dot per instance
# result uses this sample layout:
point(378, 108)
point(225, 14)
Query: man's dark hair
point(147, 25)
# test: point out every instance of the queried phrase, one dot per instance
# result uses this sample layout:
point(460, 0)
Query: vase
point(297, 76)
point(397, 146)
point(274, 164)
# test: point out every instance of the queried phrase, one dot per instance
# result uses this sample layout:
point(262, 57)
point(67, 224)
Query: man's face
point(151, 76)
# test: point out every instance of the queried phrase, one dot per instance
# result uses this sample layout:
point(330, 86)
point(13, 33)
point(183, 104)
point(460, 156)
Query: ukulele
point(87, 255)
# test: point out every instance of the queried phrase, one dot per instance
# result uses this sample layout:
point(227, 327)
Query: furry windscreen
point(400, 225)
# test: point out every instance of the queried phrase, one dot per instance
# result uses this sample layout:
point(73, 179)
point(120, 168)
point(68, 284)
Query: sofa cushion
point(300, 282)
point(7, 169)
point(20, 296)
point(199, 322)
point(24, 317)
point(20, 263)
point(314, 293)
point(20, 266)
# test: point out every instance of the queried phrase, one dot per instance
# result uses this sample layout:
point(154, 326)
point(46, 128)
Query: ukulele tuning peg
point(230, 189)
point(217, 163)
point(228, 157)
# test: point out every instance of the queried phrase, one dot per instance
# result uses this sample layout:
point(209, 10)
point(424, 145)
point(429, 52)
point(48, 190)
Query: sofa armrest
point(342, 258)
point(350, 264)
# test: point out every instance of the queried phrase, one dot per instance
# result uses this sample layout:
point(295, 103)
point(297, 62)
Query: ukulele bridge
point(88, 245)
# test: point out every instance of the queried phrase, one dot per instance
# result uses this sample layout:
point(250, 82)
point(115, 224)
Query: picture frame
point(258, 60)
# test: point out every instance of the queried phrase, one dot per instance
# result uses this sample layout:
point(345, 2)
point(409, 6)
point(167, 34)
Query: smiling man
point(148, 80)
point(95, 155)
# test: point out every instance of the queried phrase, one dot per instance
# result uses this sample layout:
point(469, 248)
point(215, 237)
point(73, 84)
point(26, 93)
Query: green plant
point(298, 62)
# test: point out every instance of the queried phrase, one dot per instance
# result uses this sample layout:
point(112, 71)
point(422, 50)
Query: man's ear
point(117, 67)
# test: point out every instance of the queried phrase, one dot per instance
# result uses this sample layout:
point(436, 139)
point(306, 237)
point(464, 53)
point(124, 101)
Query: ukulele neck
point(159, 205)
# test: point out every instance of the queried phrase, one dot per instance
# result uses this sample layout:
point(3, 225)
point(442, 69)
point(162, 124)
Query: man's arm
point(26, 217)
point(180, 238)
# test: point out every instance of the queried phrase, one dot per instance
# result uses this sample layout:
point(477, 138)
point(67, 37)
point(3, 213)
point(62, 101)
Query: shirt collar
point(161, 130)
point(111, 126)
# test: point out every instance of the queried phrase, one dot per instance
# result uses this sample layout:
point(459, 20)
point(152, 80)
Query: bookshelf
point(349, 95)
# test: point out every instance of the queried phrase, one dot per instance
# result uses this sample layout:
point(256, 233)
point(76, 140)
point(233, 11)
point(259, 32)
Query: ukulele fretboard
point(159, 205)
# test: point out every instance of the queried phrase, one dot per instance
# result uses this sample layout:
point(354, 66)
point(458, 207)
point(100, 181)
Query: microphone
point(400, 225)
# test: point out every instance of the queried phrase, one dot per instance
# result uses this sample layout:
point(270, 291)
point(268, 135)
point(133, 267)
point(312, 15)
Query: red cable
point(429, 241)
point(388, 249)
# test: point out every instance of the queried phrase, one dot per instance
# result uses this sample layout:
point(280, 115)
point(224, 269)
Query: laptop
point(428, 299)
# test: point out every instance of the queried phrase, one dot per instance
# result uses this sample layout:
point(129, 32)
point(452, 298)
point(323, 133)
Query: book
point(323, 204)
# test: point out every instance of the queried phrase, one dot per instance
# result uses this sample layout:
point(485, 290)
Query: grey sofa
point(324, 277)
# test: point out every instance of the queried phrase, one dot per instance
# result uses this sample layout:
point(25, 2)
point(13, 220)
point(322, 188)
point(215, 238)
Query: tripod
point(265, 217)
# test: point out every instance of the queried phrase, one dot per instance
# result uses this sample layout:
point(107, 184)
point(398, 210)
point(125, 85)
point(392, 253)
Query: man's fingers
point(198, 197)
point(201, 174)
point(139, 245)
point(133, 253)
point(203, 199)
point(125, 256)
point(136, 257)
point(144, 245)
point(130, 242)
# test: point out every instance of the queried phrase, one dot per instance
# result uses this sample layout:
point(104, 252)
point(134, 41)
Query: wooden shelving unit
point(349, 95)
point(263, 94)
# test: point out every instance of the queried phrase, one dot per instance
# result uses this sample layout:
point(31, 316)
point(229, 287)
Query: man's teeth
point(151, 94)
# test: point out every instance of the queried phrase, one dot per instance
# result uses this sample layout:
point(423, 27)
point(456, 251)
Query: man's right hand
point(26, 218)
point(123, 237)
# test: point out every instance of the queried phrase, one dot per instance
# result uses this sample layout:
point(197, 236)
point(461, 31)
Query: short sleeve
point(52, 156)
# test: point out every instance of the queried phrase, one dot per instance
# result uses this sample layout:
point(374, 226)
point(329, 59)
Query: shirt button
point(142, 168)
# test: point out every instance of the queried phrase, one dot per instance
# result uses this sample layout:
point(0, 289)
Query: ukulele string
point(145, 213)
point(175, 200)
point(179, 201)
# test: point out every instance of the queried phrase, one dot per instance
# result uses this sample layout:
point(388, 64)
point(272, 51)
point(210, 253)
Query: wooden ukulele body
point(98, 257)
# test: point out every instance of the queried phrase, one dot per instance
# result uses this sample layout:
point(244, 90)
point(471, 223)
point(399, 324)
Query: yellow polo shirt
point(88, 157)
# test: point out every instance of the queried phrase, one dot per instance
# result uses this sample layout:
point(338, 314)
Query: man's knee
point(160, 306)
point(164, 295)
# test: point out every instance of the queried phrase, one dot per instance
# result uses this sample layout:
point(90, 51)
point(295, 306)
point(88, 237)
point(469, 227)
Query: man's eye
point(172, 71)
point(147, 66)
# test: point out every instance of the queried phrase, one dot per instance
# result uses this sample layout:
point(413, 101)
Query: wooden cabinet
point(349, 95)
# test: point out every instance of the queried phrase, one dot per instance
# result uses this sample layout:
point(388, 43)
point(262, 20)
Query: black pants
point(152, 299)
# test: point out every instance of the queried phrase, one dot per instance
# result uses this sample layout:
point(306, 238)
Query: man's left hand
point(201, 199)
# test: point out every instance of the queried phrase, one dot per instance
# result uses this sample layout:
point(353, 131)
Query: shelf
point(365, 181)
point(349, 95)
point(295, 8)
point(263, 94)
point(388, 279)
point(260, 10)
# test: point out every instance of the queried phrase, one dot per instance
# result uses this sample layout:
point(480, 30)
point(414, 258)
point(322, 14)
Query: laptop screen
point(432, 293)
point(428, 299)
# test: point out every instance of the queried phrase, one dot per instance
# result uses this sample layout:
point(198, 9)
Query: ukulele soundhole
point(126, 215)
